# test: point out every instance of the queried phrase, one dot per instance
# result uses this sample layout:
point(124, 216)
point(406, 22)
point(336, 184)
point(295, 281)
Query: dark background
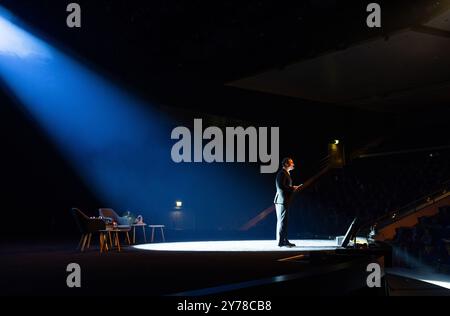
point(180, 55)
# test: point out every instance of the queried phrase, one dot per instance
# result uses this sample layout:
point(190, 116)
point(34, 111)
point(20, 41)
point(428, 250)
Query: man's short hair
point(285, 161)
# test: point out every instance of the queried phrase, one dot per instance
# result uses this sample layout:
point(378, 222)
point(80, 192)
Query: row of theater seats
point(372, 187)
point(428, 242)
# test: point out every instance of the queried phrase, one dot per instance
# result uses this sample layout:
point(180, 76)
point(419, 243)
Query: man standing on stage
point(283, 198)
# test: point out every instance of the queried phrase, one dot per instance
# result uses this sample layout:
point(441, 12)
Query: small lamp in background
point(177, 215)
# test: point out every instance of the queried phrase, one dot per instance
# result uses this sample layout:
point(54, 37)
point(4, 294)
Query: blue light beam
point(118, 144)
point(111, 138)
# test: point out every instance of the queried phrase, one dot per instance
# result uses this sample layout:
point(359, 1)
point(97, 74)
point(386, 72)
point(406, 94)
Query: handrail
point(413, 206)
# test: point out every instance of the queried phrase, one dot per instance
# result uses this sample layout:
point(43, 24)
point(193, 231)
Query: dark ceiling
point(183, 52)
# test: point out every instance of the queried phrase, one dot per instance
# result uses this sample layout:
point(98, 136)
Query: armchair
point(122, 221)
point(87, 227)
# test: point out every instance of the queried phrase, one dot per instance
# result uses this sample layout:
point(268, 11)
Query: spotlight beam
point(111, 138)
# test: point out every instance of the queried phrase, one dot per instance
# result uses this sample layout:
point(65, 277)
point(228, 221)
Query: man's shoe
point(286, 244)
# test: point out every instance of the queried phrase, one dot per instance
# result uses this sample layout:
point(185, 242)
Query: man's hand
point(297, 187)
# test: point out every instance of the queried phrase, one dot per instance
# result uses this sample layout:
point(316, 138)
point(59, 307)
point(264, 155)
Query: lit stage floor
point(242, 246)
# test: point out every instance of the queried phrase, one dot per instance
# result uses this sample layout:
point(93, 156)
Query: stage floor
point(242, 246)
point(250, 267)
